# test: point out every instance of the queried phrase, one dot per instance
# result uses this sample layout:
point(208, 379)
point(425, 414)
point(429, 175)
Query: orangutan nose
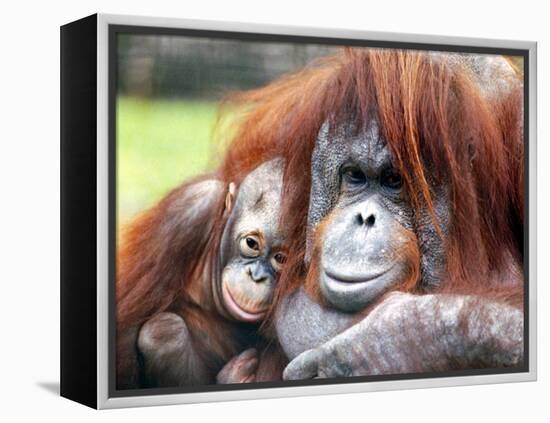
point(367, 213)
point(259, 272)
point(366, 219)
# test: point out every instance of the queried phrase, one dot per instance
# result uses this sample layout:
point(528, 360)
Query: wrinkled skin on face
point(252, 247)
point(369, 235)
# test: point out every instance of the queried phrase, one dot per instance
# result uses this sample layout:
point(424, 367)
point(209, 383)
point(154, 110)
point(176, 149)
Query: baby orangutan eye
point(277, 261)
point(250, 246)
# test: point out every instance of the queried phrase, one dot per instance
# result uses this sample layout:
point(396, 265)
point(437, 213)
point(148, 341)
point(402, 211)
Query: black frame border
point(78, 211)
point(115, 29)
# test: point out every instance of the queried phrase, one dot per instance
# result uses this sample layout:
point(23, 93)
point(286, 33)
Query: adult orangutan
point(196, 275)
point(416, 186)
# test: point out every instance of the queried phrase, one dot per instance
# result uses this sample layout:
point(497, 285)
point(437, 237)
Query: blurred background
point(169, 91)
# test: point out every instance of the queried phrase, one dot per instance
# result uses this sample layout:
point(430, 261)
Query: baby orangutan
point(217, 312)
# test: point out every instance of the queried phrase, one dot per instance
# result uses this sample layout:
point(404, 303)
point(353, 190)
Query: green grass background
point(160, 144)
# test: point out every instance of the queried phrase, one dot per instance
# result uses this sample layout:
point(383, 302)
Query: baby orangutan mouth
point(244, 312)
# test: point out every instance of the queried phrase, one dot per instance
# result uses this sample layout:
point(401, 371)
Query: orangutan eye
point(277, 261)
point(392, 179)
point(250, 246)
point(353, 176)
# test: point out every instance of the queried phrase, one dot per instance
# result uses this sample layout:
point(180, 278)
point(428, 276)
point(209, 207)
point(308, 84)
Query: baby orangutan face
point(252, 248)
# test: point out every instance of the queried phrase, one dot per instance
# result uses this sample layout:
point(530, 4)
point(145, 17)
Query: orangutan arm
point(409, 334)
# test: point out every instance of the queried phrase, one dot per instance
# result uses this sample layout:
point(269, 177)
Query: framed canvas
point(253, 211)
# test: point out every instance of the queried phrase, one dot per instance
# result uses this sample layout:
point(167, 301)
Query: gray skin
point(355, 181)
point(493, 74)
point(360, 263)
point(302, 324)
point(412, 334)
point(241, 287)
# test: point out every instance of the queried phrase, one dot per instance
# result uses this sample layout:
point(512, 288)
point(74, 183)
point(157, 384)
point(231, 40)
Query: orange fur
point(432, 116)
point(161, 265)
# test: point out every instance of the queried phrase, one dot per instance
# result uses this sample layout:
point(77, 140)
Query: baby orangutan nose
point(260, 272)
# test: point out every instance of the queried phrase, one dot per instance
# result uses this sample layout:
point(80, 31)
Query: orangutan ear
point(229, 198)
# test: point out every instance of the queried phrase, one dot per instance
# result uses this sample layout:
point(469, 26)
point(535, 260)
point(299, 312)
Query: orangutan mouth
point(347, 278)
point(237, 311)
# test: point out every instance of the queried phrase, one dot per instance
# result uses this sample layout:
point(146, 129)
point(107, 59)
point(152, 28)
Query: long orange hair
point(438, 125)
